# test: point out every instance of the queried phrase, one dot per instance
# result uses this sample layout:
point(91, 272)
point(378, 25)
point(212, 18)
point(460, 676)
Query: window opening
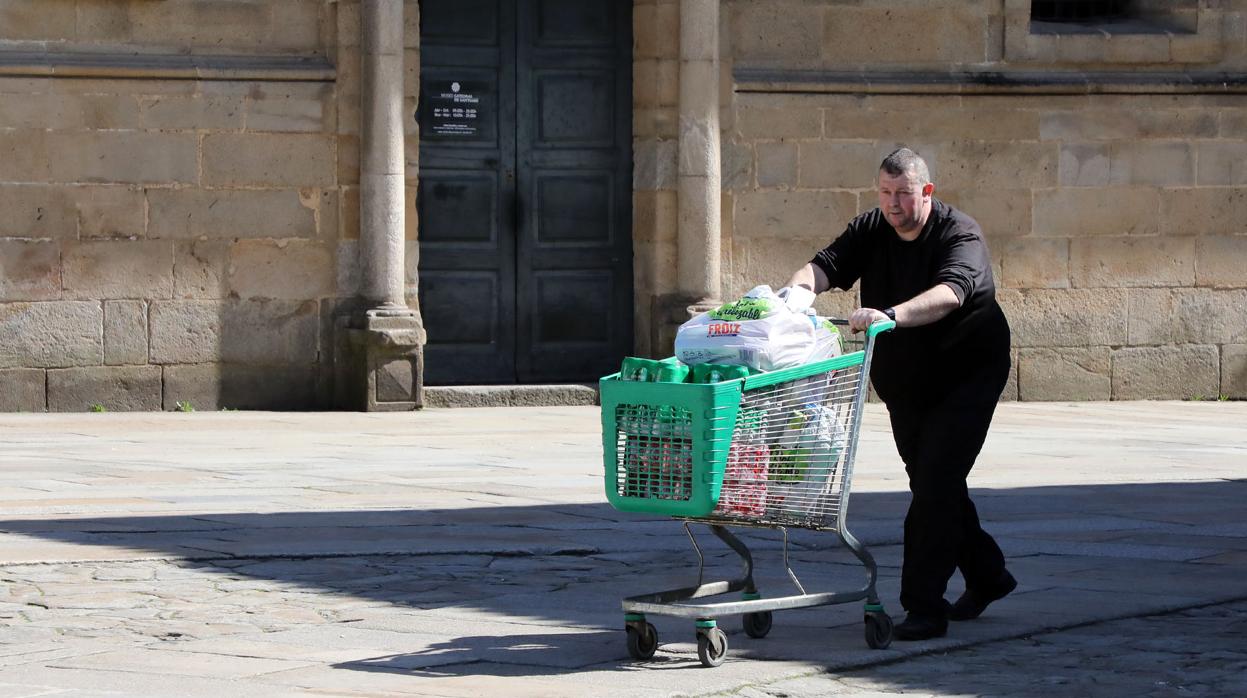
point(1079, 10)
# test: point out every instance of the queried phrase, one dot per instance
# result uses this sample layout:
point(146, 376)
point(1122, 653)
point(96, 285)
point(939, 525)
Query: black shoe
point(972, 603)
point(916, 627)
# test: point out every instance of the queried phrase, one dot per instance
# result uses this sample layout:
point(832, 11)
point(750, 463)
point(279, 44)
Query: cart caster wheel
point(711, 647)
point(878, 630)
point(758, 624)
point(642, 640)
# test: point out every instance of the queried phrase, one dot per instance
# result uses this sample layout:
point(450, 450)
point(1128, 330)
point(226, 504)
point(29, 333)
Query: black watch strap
point(891, 313)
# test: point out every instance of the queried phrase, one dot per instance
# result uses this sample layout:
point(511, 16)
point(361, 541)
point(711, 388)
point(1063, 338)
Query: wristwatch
point(891, 313)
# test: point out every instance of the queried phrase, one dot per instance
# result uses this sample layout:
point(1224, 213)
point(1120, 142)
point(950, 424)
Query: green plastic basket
point(665, 445)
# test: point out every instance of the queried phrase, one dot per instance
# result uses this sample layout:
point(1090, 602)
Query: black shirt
point(911, 363)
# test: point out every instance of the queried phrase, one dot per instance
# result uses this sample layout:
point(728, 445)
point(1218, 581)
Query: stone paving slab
point(471, 552)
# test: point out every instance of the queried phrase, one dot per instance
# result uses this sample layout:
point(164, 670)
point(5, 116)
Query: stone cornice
point(163, 66)
point(979, 82)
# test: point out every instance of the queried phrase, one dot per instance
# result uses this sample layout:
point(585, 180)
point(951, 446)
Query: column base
point(383, 364)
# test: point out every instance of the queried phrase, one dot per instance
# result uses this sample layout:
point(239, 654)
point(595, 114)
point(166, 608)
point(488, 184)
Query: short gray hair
point(905, 161)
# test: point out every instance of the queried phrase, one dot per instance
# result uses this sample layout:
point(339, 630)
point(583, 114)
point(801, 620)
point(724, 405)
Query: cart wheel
point(758, 624)
point(711, 647)
point(878, 630)
point(642, 640)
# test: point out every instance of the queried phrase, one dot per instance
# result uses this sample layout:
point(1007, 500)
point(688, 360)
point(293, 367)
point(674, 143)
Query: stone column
point(387, 337)
point(698, 175)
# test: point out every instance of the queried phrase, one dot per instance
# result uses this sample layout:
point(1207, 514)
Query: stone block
point(297, 25)
point(24, 155)
point(790, 118)
point(654, 164)
point(839, 164)
point(222, 213)
point(786, 31)
point(736, 162)
point(109, 211)
point(37, 20)
point(1089, 211)
point(1222, 163)
point(1187, 316)
point(794, 215)
point(654, 215)
point(24, 390)
point(288, 269)
point(270, 160)
point(1001, 213)
point(1132, 262)
point(247, 332)
point(243, 27)
point(111, 157)
point(656, 30)
point(1203, 211)
point(1010, 391)
point(1154, 163)
point(1064, 374)
point(1083, 165)
point(1166, 373)
point(125, 332)
point(116, 388)
point(208, 111)
point(1221, 261)
point(645, 82)
point(1128, 121)
point(118, 269)
point(30, 270)
point(199, 268)
point(1065, 318)
point(51, 335)
point(777, 164)
point(1034, 263)
point(103, 21)
point(942, 33)
point(36, 211)
point(291, 108)
point(1234, 371)
point(968, 164)
point(218, 386)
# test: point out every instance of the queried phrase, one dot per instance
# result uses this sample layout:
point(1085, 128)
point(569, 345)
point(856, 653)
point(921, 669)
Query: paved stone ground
point(470, 552)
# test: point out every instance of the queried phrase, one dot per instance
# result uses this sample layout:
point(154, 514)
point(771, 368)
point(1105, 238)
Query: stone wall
point(1112, 192)
point(178, 182)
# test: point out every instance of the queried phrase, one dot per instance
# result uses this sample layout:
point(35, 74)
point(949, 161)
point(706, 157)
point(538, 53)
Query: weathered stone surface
point(1155, 163)
point(273, 332)
point(51, 335)
point(654, 215)
point(219, 213)
point(1203, 211)
point(37, 21)
point(1065, 374)
point(779, 117)
point(118, 269)
point(109, 211)
point(1034, 263)
point(968, 164)
point(777, 164)
point(838, 165)
point(736, 162)
point(112, 156)
point(116, 388)
point(657, 30)
point(1127, 123)
point(1166, 373)
point(30, 270)
point(1133, 261)
point(1221, 262)
point(200, 268)
point(654, 165)
point(125, 332)
point(291, 107)
point(1234, 371)
point(271, 160)
point(1083, 211)
point(211, 110)
point(799, 215)
point(945, 32)
point(218, 386)
point(23, 390)
point(776, 31)
point(1065, 318)
point(1222, 162)
point(1187, 315)
point(1001, 213)
point(1083, 165)
point(290, 269)
point(36, 211)
point(24, 155)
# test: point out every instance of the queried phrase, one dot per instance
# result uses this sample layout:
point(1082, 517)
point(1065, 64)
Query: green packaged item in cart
point(668, 370)
point(717, 373)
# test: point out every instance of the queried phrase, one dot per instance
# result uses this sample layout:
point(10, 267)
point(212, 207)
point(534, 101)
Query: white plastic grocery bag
point(758, 330)
point(804, 461)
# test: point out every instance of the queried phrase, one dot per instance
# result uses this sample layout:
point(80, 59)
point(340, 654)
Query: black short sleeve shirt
point(949, 250)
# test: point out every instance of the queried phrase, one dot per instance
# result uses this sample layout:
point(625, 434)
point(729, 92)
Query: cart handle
point(879, 326)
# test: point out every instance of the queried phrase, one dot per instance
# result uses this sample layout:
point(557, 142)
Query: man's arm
point(811, 277)
point(923, 309)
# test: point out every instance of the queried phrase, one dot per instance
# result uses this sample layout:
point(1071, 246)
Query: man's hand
point(865, 317)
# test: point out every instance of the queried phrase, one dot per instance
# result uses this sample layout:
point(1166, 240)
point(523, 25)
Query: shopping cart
point(773, 450)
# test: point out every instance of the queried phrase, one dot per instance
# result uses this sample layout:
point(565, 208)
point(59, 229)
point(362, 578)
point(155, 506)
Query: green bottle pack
point(669, 370)
point(717, 373)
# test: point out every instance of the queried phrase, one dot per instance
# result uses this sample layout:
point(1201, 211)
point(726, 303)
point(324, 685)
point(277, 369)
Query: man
point(925, 265)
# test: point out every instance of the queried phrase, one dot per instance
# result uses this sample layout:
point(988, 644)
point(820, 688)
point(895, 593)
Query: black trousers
point(939, 436)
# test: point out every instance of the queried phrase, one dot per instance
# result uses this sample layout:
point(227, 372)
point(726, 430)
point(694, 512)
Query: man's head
point(905, 190)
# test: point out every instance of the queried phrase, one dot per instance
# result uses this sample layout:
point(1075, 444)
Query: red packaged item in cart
point(744, 481)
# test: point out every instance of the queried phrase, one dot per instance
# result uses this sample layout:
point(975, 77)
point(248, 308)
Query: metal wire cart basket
point(772, 450)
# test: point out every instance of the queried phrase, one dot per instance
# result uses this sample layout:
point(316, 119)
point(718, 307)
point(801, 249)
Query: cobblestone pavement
point(1196, 652)
point(471, 552)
